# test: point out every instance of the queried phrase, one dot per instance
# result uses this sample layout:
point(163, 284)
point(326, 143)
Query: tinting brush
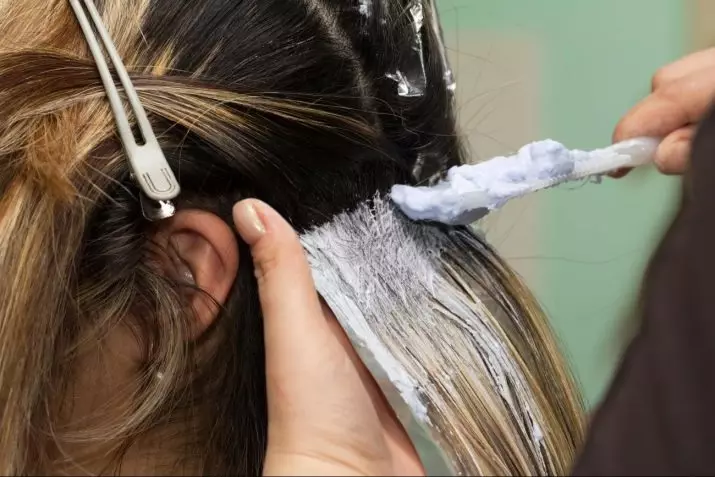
point(470, 192)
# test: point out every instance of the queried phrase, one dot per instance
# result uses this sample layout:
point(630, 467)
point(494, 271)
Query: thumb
point(298, 341)
point(320, 396)
point(285, 283)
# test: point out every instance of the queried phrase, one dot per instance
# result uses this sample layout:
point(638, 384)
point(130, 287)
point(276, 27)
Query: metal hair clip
point(149, 166)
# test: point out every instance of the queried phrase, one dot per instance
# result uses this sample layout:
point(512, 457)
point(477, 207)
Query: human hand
point(326, 414)
point(682, 94)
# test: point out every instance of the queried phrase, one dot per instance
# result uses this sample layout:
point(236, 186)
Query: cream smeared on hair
point(435, 332)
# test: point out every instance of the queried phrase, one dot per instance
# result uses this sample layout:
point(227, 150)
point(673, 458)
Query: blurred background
point(567, 70)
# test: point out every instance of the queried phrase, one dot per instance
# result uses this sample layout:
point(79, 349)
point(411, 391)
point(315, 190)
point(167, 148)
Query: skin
point(205, 247)
point(326, 414)
point(682, 92)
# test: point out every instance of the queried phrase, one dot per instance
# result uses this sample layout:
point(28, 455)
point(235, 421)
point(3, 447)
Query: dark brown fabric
point(658, 417)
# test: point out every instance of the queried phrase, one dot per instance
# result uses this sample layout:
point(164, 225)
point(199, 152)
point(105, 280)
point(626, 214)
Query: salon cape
point(658, 418)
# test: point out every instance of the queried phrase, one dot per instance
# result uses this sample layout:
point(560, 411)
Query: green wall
point(593, 240)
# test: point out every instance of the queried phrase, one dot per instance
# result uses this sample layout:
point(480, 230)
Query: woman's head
point(123, 338)
point(103, 336)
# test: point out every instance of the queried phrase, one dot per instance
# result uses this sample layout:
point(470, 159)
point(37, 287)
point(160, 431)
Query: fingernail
point(248, 222)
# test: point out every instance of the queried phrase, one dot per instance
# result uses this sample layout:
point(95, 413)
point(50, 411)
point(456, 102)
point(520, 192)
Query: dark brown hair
point(288, 101)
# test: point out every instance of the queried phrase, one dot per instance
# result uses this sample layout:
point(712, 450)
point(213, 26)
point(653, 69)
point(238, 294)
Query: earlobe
point(203, 252)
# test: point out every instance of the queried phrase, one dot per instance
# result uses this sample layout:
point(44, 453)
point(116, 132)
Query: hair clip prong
point(149, 166)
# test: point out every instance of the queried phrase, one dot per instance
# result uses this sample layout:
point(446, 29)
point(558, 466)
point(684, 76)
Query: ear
point(201, 250)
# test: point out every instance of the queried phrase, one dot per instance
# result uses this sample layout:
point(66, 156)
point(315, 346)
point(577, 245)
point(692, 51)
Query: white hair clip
point(149, 166)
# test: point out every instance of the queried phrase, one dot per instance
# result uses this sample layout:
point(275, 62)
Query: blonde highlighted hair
point(284, 100)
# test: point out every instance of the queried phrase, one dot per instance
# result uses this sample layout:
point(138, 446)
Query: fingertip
point(262, 227)
point(672, 158)
point(278, 256)
point(620, 173)
point(673, 154)
point(631, 124)
point(656, 116)
point(634, 124)
point(249, 223)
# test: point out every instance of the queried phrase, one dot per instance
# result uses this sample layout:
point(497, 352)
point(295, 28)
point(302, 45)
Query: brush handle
point(627, 154)
point(623, 155)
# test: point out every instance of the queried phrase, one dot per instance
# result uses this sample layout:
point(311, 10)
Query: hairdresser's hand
point(682, 93)
point(326, 415)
